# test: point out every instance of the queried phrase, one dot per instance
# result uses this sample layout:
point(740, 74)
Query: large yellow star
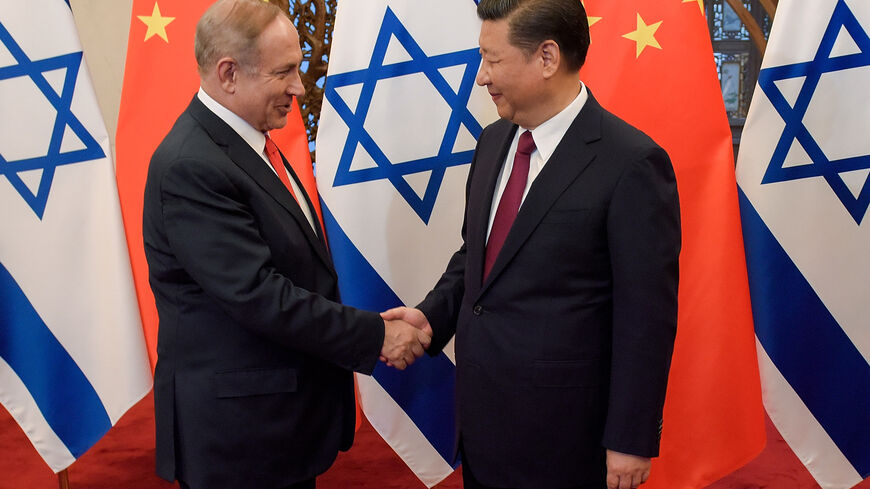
point(156, 23)
point(590, 20)
point(644, 35)
point(700, 4)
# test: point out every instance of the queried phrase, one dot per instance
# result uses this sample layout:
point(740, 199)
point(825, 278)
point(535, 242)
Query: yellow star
point(700, 4)
point(156, 23)
point(590, 20)
point(644, 35)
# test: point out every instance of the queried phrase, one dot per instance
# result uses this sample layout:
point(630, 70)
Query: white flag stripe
point(799, 428)
point(400, 432)
point(450, 351)
point(20, 404)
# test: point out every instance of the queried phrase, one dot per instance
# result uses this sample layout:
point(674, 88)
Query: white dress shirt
point(547, 136)
point(257, 141)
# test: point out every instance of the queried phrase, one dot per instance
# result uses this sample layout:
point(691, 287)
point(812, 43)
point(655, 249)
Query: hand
point(410, 315)
point(414, 317)
point(626, 471)
point(403, 343)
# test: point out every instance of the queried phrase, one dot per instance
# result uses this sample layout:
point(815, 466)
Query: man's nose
point(482, 77)
point(296, 87)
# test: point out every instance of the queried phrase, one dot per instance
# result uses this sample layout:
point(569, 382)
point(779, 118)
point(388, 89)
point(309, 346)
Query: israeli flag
point(804, 193)
point(400, 119)
point(72, 352)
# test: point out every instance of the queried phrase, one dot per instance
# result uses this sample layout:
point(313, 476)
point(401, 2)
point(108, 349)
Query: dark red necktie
point(510, 201)
point(278, 164)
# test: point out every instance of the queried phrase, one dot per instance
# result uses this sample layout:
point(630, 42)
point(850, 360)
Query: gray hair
point(230, 28)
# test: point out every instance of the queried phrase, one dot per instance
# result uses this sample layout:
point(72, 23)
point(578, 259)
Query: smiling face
point(265, 92)
point(512, 77)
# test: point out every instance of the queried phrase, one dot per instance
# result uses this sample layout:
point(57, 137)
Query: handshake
point(407, 334)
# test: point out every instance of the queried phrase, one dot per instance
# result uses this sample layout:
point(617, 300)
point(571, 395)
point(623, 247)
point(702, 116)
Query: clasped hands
point(407, 334)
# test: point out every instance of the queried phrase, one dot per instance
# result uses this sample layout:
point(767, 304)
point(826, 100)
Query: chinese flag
point(651, 63)
point(159, 81)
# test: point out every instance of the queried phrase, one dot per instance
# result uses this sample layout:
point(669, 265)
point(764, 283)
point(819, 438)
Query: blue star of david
point(65, 118)
point(394, 171)
point(795, 129)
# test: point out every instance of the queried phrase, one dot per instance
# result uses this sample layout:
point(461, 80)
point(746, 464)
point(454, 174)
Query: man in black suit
point(564, 310)
point(253, 385)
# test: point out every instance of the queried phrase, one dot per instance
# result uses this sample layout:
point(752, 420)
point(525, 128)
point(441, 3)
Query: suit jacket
point(565, 348)
point(253, 385)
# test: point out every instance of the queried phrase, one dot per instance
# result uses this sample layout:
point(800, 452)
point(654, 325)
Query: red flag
point(159, 81)
point(651, 62)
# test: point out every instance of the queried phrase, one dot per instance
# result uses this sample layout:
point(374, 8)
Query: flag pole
point(63, 479)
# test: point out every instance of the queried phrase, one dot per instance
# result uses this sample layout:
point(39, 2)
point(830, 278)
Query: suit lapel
point(490, 160)
point(571, 157)
point(253, 164)
point(317, 235)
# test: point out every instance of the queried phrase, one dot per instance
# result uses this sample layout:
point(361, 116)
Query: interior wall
point(103, 26)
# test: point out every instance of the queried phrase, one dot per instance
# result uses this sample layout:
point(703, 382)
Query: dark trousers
point(309, 484)
point(469, 482)
point(468, 479)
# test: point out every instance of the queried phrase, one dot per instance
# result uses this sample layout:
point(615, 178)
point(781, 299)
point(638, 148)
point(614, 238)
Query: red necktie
point(510, 201)
point(278, 164)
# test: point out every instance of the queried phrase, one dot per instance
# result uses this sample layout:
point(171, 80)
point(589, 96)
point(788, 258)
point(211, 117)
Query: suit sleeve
point(216, 239)
point(644, 240)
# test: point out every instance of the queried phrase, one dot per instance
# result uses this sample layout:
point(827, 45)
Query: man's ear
point(227, 73)
point(551, 57)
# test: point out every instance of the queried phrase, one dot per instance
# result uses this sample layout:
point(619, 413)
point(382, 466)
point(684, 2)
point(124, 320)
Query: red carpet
point(124, 459)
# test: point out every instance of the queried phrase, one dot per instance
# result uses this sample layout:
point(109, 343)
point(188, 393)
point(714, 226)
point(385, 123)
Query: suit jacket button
point(477, 310)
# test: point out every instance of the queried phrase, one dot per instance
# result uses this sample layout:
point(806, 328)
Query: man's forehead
point(278, 56)
point(493, 32)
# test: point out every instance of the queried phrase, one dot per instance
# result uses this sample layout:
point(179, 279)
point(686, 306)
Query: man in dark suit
point(253, 385)
point(564, 310)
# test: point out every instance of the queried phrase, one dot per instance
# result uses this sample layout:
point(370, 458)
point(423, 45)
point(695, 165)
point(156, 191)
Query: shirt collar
point(254, 138)
point(548, 135)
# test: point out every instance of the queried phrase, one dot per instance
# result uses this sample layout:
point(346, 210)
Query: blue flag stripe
point(65, 397)
point(422, 389)
point(806, 343)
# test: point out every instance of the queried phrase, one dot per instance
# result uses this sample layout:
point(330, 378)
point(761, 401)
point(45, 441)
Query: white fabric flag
point(803, 176)
point(72, 352)
point(400, 120)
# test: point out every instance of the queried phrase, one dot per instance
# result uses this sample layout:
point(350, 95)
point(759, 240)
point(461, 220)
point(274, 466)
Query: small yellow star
point(590, 20)
point(700, 4)
point(644, 35)
point(156, 23)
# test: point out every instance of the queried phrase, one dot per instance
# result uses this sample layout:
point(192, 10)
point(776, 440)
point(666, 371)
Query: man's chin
point(278, 123)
